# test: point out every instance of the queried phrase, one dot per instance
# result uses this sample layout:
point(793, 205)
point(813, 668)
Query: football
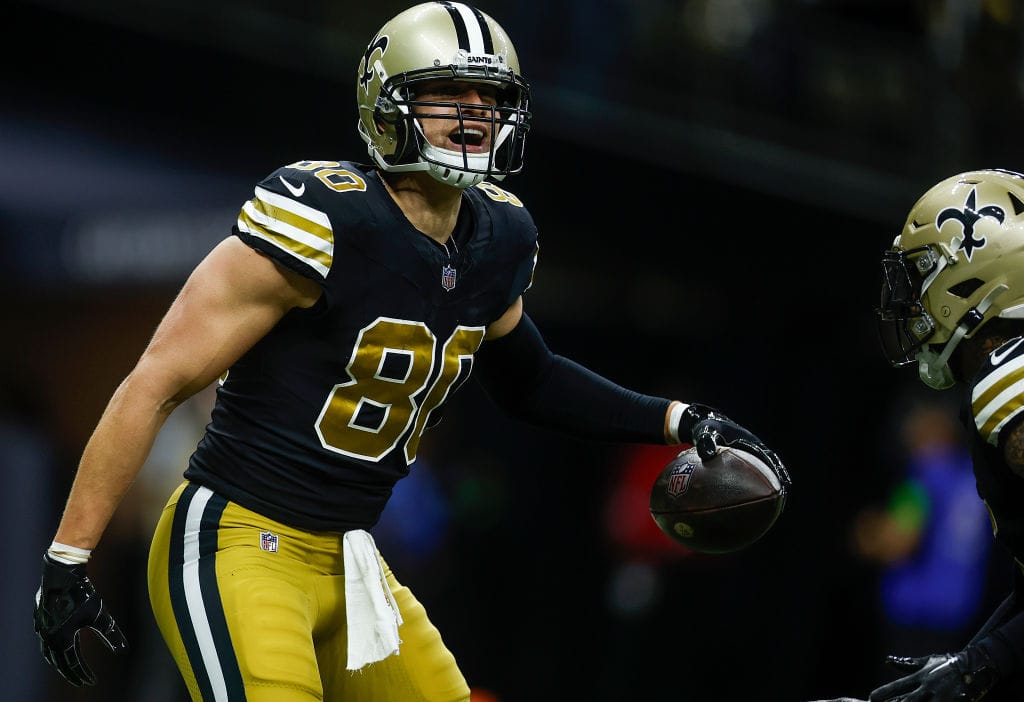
point(718, 506)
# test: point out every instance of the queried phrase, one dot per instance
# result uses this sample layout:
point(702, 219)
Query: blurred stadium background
point(713, 181)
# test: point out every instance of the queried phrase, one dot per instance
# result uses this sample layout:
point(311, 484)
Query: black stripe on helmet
point(460, 26)
point(485, 31)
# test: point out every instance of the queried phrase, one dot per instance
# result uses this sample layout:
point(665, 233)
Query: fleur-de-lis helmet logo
point(968, 217)
point(367, 74)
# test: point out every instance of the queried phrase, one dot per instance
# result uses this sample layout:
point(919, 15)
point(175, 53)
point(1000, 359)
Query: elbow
point(147, 391)
point(512, 404)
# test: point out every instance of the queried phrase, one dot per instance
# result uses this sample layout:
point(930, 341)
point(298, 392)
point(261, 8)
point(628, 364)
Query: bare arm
point(506, 322)
point(231, 300)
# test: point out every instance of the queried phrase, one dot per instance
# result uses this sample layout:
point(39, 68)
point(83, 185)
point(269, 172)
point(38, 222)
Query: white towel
point(373, 616)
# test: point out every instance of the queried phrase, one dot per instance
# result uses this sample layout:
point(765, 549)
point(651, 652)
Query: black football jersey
point(994, 406)
point(315, 424)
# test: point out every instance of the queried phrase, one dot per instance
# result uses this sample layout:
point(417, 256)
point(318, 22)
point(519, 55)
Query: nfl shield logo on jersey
point(679, 479)
point(268, 541)
point(447, 277)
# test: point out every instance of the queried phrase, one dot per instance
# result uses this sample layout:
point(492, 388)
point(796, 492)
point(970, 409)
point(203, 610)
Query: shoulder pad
point(498, 194)
point(289, 211)
point(998, 393)
point(507, 210)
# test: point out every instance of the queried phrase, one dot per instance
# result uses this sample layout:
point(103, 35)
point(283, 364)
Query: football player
point(953, 305)
point(350, 303)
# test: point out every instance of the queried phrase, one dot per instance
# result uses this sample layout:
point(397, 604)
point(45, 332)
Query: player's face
point(441, 122)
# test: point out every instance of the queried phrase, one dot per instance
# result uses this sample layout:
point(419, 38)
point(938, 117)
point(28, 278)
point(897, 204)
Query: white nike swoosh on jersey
point(297, 192)
point(999, 354)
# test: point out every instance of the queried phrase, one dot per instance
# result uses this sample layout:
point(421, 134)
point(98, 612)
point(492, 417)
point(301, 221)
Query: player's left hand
point(709, 429)
point(67, 603)
point(966, 676)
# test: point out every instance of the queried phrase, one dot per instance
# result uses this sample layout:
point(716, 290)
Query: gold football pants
point(254, 610)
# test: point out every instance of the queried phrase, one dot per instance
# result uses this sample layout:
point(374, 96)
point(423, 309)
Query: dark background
point(713, 181)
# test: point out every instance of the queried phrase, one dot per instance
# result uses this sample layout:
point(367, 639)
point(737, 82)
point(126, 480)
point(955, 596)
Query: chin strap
point(934, 368)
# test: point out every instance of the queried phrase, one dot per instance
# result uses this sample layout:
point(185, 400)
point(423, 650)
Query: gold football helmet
point(441, 41)
point(957, 264)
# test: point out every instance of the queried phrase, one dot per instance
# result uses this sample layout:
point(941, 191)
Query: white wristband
point(673, 421)
point(69, 555)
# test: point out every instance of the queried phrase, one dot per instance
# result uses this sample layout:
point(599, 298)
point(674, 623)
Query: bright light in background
point(147, 246)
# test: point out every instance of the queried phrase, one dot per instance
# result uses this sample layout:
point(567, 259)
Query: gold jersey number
point(391, 364)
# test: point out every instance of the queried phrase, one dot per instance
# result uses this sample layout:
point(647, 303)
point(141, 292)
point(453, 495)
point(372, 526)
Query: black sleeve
point(1002, 636)
point(527, 381)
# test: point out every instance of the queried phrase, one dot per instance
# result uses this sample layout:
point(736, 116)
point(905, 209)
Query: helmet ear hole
point(401, 140)
point(392, 125)
point(965, 288)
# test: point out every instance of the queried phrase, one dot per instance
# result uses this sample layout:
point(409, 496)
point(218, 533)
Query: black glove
point(66, 603)
point(963, 677)
point(710, 429)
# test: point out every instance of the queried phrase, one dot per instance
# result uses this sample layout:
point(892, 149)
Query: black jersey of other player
point(993, 408)
point(315, 424)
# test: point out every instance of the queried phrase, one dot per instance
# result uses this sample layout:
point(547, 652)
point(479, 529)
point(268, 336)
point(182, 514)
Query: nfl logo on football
point(679, 479)
point(268, 541)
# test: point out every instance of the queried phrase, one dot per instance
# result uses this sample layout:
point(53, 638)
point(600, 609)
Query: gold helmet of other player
point(447, 41)
point(957, 265)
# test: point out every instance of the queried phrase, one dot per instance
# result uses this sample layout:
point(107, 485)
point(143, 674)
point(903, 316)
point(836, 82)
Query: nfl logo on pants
point(268, 541)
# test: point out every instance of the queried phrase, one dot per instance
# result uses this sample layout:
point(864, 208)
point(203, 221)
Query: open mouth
point(472, 139)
